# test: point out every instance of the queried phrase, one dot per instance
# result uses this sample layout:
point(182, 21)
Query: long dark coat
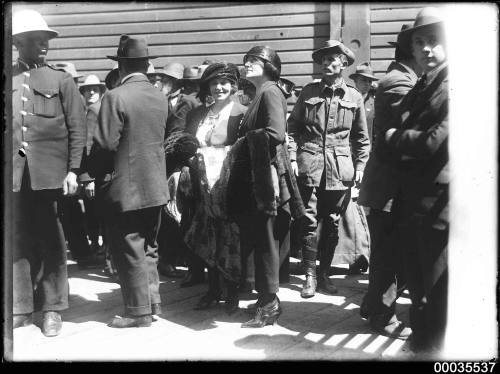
point(380, 181)
point(422, 144)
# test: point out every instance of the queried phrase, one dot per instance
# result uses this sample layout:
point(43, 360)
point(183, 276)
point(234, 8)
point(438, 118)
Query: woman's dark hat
point(112, 78)
point(427, 17)
point(404, 27)
point(221, 70)
point(131, 48)
point(364, 70)
point(333, 46)
point(265, 53)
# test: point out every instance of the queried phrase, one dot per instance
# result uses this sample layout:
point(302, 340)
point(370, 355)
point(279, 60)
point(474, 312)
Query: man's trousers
point(133, 246)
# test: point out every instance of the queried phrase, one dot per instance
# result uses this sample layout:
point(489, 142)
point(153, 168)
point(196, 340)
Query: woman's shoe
point(265, 315)
point(207, 301)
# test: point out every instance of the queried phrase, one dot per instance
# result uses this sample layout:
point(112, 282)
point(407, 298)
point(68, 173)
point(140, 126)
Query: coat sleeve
point(295, 123)
point(360, 141)
point(177, 119)
point(74, 114)
point(107, 136)
point(273, 116)
point(421, 144)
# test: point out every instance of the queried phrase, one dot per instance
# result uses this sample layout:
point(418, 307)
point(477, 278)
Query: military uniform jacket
point(129, 144)
point(380, 181)
point(48, 123)
point(421, 141)
point(323, 124)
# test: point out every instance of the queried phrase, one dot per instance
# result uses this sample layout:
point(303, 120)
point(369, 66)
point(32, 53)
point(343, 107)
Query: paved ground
point(321, 328)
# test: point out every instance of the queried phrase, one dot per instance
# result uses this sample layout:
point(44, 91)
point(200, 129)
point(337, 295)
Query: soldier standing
point(327, 116)
point(48, 140)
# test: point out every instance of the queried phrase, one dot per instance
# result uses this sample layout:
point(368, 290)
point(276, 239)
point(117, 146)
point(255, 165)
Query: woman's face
point(220, 89)
point(91, 94)
point(428, 48)
point(254, 67)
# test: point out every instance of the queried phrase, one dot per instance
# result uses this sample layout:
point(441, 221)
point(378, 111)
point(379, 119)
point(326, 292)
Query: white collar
point(131, 75)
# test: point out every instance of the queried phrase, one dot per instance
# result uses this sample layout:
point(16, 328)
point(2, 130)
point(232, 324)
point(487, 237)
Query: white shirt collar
point(131, 75)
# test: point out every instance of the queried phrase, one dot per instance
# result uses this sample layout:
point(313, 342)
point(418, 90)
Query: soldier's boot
point(309, 286)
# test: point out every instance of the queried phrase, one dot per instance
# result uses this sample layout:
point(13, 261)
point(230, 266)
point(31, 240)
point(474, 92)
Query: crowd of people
point(203, 166)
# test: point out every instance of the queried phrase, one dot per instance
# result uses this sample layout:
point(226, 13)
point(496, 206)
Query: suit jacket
point(129, 144)
point(380, 181)
point(325, 125)
point(197, 115)
point(177, 113)
point(48, 123)
point(421, 143)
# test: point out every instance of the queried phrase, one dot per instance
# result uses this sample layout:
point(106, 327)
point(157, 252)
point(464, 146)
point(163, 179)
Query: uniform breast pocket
point(346, 115)
point(45, 102)
point(313, 109)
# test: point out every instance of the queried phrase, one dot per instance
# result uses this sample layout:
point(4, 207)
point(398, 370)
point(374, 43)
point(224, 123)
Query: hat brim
point(318, 55)
point(102, 85)
point(373, 78)
point(51, 33)
point(405, 35)
point(116, 58)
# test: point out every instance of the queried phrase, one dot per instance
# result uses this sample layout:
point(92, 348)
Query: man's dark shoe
point(131, 321)
point(21, 320)
point(325, 284)
point(192, 280)
point(169, 271)
point(156, 309)
point(52, 323)
point(393, 329)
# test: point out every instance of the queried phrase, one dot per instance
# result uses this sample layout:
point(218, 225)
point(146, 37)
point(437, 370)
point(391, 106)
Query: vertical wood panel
point(356, 34)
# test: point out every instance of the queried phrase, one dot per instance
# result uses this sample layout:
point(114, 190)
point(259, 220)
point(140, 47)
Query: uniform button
point(23, 112)
point(24, 144)
point(24, 98)
point(26, 73)
point(24, 128)
point(26, 86)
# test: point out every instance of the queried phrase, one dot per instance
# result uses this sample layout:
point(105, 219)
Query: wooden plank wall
point(386, 20)
point(188, 32)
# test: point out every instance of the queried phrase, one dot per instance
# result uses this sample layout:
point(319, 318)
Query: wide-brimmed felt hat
point(29, 20)
point(92, 80)
point(131, 48)
point(333, 46)
point(428, 17)
point(68, 67)
point(174, 70)
point(364, 70)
